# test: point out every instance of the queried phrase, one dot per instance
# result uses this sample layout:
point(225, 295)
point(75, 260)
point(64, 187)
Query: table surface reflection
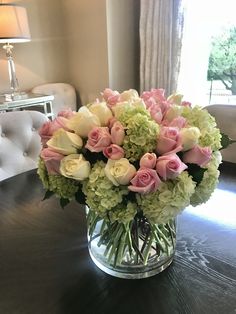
point(45, 266)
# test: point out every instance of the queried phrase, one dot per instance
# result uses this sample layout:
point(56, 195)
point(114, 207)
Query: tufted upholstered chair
point(19, 141)
point(225, 116)
point(64, 95)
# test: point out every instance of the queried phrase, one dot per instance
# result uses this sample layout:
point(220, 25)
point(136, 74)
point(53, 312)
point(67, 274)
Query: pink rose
point(145, 181)
point(168, 141)
point(156, 113)
point(111, 122)
point(111, 97)
point(157, 94)
point(51, 160)
point(169, 166)
point(114, 152)
point(148, 161)
point(117, 133)
point(157, 98)
point(48, 128)
point(68, 113)
point(186, 104)
point(98, 139)
point(178, 122)
point(198, 155)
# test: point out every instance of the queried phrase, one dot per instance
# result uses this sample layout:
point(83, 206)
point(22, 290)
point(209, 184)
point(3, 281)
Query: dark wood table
point(45, 266)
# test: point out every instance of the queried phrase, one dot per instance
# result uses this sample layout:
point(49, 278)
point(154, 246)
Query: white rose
point(75, 167)
point(119, 172)
point(139, 103)
point(175, 99)
point(130, 94)
point(173, 112)
point(189, 137)
point(65, 142)
point(102, 112)
point(83, 122)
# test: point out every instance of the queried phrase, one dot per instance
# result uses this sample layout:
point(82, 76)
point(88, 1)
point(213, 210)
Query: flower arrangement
point(134, 160)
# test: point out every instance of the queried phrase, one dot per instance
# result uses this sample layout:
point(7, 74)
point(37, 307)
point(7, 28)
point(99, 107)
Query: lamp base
point(15, 96)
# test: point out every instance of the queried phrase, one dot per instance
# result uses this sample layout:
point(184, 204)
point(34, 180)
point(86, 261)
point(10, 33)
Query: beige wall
point(91, 44)
point(123, 43)
point(44, 58)
point(87, 46)
point(103, 45)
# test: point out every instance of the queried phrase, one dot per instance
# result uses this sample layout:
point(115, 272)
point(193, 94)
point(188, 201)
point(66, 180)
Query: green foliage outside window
point(222, 60)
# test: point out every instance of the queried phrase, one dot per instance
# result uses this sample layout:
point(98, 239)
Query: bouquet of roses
point(134, 161)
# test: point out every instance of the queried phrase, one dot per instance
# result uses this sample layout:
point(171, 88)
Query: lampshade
point(14, 26)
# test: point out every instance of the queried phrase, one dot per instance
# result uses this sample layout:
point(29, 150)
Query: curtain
point(161, 31)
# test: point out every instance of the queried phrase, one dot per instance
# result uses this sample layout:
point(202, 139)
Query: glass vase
point(133, 250)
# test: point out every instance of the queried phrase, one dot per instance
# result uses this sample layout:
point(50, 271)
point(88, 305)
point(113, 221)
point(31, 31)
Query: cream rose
point(175, 99)
point(130, 94)
point(103, 113)
point(65, 142)
point(75, 167)
point(119, 172)
point(189, 137)
point(173, 112)
point(83, 122)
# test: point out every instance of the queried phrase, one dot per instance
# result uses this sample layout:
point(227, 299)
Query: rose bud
point(114, 152)
point(148, 161)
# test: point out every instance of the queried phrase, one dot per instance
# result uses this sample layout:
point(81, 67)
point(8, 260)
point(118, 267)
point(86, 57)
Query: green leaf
point(48, 194)
point(196, 172)
point(80, 197)
point(226, 141)
point(64, 202)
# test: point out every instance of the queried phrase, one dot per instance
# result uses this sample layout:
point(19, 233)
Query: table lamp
point(14, 28)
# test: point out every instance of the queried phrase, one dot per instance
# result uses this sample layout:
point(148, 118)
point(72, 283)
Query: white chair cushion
point(225, 116)
point(64, 95)
point(20, 143)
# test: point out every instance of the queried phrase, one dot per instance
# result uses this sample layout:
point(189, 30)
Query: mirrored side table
point(29, 102)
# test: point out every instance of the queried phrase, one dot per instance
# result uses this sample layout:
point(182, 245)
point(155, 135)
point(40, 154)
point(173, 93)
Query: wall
point(103, 45)
point(91, 44)
point(123, 43)
point(87, 45)
point(44, 58)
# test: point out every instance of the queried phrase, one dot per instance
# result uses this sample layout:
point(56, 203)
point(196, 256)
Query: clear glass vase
point(133, 250)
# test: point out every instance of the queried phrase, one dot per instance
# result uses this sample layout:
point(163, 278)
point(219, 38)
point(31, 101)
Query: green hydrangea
point(101, 194)
point(216, 160)
point(123, 213)
point(61, 186)
point(43, 174)
point(141, 132)
point(169, 200)
point(210, 134)
point(209, 182)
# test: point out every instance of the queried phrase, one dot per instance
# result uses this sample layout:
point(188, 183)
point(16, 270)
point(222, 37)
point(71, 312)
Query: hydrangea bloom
point(171, 198)
point(141, 132)
point(61, 186)
point(210, 134)
point(101, 195)
point(208, 184)
point(123, 212)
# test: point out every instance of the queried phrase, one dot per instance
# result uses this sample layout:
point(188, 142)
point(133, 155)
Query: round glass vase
point(133, 250)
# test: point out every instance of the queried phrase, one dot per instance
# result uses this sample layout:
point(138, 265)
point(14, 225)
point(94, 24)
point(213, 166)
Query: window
point(203, 20)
